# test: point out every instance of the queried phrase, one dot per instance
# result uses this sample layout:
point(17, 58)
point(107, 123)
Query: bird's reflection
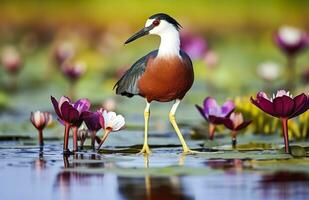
point(152, 188)
point(182, 159)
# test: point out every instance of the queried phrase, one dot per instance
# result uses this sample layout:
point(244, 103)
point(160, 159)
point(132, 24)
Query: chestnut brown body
point(156, 78)
point(166, 79)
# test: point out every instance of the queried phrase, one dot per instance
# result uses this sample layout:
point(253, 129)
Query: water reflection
point(228, 165)
point(40, 164)
point(152, 188)
point(285, 185)
point(65, 180)
point(161, 188)
point(232, 177)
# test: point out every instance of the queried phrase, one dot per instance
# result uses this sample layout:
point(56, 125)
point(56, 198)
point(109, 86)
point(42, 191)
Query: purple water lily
point(214, 113)
point(70, 114)
point(284, 107)
point(93, 122)
point(73, 70)
point(291, 40)
point(195, 46)
point(235, 122)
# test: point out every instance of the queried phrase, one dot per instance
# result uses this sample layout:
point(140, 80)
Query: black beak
point(141, 33)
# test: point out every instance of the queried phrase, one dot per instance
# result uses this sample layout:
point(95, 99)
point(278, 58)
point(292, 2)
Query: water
point(30, 173)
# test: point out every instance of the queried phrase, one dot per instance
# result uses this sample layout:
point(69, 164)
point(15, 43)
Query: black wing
point(127, 84)
point(186, 58)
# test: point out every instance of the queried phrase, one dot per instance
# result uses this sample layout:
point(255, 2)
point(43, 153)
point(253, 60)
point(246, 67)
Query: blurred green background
point(239, 33)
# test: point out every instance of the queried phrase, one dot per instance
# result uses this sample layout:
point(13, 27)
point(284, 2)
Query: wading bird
point(162, 75)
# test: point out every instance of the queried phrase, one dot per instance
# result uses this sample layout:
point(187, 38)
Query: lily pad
point(256, 146)
point(296, 151)
point(210, 144)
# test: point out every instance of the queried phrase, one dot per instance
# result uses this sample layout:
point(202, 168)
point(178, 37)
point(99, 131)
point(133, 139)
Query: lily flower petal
point(92, 120)
point(112, 121)
point(283, 106)
point(82, 105)
point(227, 108)
point(56, 106)
point(211, 107)
point(68, 112)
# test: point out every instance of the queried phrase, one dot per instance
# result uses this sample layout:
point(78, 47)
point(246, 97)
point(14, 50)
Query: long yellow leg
point(174, 123)
point(145, 148)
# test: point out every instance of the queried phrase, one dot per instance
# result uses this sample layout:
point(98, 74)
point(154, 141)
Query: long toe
point(189, 151)
point(145, 150)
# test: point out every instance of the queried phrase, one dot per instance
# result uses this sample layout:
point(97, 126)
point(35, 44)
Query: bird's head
point(157, 24)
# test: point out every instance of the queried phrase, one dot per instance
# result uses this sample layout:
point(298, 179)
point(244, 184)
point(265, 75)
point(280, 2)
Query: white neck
point(170, 43)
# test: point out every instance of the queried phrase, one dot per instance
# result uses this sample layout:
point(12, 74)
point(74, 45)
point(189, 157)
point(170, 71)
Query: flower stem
point(93, 135)
point(291, 73)
point(66, 137)
point(71, 93)
point(75, 145)
point(41, 142)
point(14, 82)
point(66, 163)
point(285, 134)
point(103, 138)
point(234, 139)
point(211, 129)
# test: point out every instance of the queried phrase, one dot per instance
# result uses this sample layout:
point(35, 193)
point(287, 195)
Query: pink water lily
point(283, 106)
point(40, 120)
point(214, 113)
point(70, 114)
point(235, 122)
point(11, 60)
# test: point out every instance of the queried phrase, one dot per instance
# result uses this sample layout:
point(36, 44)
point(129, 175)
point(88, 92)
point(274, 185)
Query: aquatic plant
point(268, 71)
point(214, 113)
point(12, 63)
point(211, 59)
point(194, 45)
point(72, 71)
point(235, 122)
point(62, 52)
point(82, 135)
point(110, 122)
point(70, 114)
point(284, 107)
point(40, 120)
point(93, 121)
point(291, 41)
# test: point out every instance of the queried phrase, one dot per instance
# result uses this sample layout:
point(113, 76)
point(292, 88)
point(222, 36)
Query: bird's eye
point(156, 22)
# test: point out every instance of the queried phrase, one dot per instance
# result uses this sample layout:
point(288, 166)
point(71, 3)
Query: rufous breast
point(166, 79)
